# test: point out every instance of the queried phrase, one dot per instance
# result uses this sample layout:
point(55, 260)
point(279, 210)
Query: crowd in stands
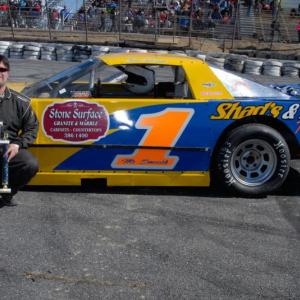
point(22, 13)
point(136, 15)
point(140, 15)
point(30, 14)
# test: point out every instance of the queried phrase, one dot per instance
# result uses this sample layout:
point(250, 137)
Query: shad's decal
point(75, 121)
point(235, 111)
point(163, 130)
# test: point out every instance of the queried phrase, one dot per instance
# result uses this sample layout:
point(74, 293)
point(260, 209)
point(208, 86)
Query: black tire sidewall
point(238, 136)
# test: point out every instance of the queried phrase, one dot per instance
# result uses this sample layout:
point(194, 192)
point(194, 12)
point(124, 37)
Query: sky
point(73, 4)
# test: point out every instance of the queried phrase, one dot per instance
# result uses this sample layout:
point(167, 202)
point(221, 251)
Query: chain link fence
point(145, 18)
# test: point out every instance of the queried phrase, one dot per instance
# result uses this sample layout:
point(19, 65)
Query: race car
point(146, 119)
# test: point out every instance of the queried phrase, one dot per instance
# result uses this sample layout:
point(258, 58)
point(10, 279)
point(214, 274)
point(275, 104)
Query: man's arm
point(30, 127)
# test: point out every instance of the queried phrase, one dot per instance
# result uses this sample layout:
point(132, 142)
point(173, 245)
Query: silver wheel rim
point(253, 162)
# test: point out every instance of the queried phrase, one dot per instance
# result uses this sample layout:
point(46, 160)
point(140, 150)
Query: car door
point(118, 123)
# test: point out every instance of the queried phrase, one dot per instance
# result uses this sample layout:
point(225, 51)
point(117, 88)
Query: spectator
point(102, 26)
point(293, 12)
point(35, 13)
point(4, 14)
point(258, 6)
point(54, 17)
point(112, 16)
point(215, 14)
point(184, 20)
point(128, 25)
point(250, 5)
point(275, 28)
point(14, 13)
point(274, 7)
point(139, 21)
point(63, 16)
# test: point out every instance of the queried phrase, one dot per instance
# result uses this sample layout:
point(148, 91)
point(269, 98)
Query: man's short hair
point(4, 60)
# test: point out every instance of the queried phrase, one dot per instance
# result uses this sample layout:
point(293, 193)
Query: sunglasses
point(3, 70)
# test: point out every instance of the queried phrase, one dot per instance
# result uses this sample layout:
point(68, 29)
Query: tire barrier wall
point(237, 62)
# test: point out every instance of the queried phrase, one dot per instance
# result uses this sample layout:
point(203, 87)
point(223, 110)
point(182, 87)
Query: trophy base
point(5, 191)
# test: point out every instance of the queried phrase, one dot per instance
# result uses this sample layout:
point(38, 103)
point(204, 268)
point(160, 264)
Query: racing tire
point(253, 160)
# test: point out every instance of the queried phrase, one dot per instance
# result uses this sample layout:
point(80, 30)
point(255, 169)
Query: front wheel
point(253, 160)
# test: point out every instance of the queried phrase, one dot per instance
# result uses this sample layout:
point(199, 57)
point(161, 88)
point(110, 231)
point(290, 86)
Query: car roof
point(148, 58)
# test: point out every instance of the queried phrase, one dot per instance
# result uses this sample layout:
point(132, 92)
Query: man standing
point(21, 125)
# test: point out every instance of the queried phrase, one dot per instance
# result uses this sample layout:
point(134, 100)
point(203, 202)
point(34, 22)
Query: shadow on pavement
point(290, 188)
point(288, 200)
point(292, 185)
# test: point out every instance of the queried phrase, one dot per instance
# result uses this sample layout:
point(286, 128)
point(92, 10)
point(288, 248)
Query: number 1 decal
point(163, 130)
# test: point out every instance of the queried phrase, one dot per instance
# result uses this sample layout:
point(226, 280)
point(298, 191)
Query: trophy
point(4, 142)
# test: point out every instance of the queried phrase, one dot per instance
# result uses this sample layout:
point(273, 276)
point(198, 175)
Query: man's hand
point(12, 151)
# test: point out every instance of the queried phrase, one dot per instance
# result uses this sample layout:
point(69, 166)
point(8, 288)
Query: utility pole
point(48, 19)
point(11, 21)
point(85, 21)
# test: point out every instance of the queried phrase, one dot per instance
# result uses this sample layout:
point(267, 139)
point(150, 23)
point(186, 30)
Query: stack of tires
point(48, 52)
point(145, 51)
point(253, 67)
point(235, 63)
point(155, 51)
point(64, 52)
point(4, 48)
point(291, 69)
point(98, 50)
point(177, 52)
point(81, 52)
point(216, 61)
point(118, 50)
point(201, 56)
point(272, 68)
point(16, 51)
point(32, 51)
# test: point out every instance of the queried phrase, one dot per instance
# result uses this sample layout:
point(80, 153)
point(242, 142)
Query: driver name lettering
point(235, 111)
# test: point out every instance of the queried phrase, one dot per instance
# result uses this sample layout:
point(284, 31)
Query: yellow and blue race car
point(145, 119)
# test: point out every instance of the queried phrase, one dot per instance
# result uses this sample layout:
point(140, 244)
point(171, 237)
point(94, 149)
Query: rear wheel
point(253, 160)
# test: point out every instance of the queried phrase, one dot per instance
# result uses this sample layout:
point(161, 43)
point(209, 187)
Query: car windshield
point(55, 83)
point(242, 87)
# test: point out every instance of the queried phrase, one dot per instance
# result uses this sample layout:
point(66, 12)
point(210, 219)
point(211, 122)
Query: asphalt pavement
point(149, 243)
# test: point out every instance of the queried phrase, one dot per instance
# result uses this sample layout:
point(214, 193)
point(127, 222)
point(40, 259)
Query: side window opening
point(142, 81)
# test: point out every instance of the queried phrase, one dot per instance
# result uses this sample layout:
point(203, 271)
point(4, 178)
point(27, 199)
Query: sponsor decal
point(75, 121)
point(208, 84)
point(235, 111)
point(81, 94)
point(212, 93)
